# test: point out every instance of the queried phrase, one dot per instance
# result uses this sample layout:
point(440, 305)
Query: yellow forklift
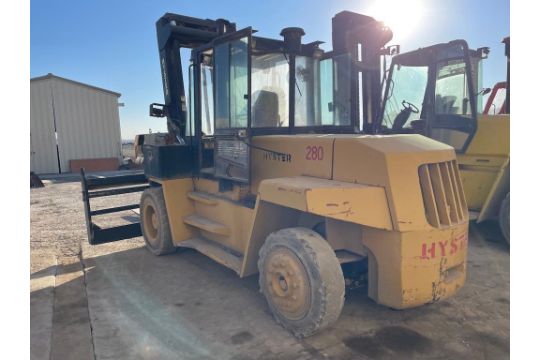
point(436, 91)
point(273, 171)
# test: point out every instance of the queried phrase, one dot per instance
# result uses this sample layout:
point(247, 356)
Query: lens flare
point(402, 17)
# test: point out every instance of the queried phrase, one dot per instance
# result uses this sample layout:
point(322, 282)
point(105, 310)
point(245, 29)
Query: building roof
point(51, 76)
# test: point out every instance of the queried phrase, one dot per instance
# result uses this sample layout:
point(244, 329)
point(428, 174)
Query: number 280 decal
point(314, 153)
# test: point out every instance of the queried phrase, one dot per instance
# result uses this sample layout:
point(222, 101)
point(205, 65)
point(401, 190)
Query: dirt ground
point(117, 301)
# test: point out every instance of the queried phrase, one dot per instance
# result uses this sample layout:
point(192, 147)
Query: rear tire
point(155, 222)
point(504, 218)
point(301, 278)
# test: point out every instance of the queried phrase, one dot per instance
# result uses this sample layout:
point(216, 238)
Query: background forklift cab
point(436, 91)
point(433, 91)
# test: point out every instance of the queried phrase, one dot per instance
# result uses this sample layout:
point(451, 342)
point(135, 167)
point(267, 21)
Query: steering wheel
point(403, 116)
point(407, 105)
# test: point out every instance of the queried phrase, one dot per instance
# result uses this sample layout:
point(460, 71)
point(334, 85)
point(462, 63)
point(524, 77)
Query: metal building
point(70, 120)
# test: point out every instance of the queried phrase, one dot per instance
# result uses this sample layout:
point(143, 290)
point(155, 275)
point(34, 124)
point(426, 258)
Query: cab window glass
point(239, 83)
point(221, 72)
point(207, 101)
point(332, 95)
point(269, 90)
point(231, 84)
point(342, 90)
point(451, 90)
point(304, 108)
point(326, 90)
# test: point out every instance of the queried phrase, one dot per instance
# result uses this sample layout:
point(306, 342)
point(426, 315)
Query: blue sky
point(112, 44)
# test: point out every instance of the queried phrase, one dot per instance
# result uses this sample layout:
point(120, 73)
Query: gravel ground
point(118, 301)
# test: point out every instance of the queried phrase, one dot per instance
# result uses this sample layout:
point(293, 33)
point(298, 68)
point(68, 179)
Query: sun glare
point(402, 17)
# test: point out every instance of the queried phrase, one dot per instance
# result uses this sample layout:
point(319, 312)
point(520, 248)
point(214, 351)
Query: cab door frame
point(229, 140)
point(463, 123)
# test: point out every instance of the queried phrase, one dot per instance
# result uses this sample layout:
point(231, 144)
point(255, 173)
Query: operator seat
point(445, 104)
point(265, 112)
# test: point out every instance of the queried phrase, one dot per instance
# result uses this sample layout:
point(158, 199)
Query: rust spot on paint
point(296, 191)
point(347, 213)
point(437, 291)
point(332, 204)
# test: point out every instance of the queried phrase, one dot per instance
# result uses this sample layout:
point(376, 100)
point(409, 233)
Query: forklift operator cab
point(256, 86)
point(429, 92)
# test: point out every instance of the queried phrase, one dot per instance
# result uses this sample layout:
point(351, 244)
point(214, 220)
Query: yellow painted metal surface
point(477, 182)
point(212, 187)
point(492, 135)
point(175, 194)
point(501, 187)
point(484, 167)
point(391, 162)
point(232, 215)
point(329, 198)
point(417, 267)
point(309, 155)
point(267, 218)
point(228, 220)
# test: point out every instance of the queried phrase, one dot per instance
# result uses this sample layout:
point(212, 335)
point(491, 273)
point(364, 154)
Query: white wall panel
point(87, 123)
point(43, 156)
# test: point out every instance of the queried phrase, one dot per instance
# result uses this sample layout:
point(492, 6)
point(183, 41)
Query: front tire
point(155, 222)
point(504, 218)
point(301, 278)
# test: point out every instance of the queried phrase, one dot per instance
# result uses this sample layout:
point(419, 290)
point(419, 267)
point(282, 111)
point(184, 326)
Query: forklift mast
point(364, 38)
point(173, 33)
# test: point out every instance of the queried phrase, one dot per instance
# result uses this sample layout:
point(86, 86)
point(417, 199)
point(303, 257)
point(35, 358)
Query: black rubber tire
point(162, 243)
point(504, 218)
point(326, 282)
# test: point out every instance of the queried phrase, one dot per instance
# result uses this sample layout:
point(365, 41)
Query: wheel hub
point(150, 222)
point(287, 284)
point(154, 221)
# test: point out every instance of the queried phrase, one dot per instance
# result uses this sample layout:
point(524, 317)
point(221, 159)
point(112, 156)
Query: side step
point(216, 252)
point(202, 198)
point(206, 224)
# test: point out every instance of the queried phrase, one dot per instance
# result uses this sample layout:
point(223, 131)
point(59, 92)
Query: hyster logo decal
point(276, 156)
point(444, 248)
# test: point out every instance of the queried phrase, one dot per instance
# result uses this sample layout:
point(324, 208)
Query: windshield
point(408, 84)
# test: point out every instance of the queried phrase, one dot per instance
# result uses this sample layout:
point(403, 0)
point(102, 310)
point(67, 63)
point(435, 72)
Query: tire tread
point(166, 245)
point(331, 287)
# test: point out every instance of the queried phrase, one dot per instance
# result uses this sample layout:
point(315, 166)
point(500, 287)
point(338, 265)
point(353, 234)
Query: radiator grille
point(442, 191)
